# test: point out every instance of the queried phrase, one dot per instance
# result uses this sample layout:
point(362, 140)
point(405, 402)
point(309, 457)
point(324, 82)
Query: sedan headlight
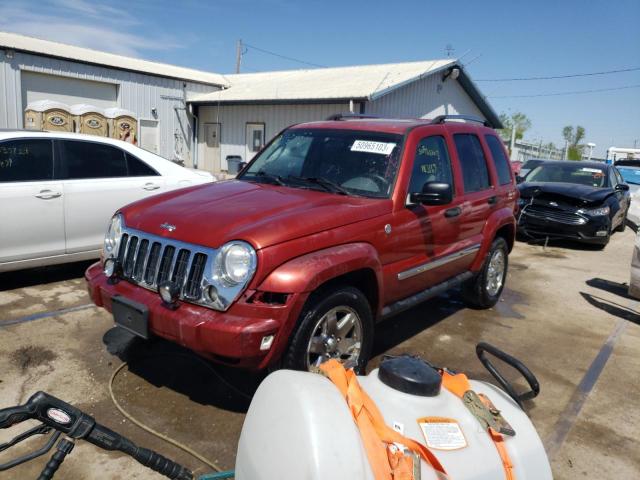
point(596, 212)
point(112, 237)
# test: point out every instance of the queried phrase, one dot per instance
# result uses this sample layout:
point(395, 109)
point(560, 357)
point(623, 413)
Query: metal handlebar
point(483, 348)
point(76, 424)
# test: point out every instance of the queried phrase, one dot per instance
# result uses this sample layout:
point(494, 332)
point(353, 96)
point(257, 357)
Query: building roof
point(85, 55)
point(339, 83)
point(322, 85)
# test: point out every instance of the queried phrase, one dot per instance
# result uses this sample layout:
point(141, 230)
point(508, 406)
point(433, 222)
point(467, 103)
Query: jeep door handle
point(48, 194)
point(452, 212)
point(492, 200)
point(151, 186)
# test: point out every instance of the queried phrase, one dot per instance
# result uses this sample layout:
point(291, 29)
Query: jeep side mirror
point(433, 193)
point(622, 187)
point(519, 179)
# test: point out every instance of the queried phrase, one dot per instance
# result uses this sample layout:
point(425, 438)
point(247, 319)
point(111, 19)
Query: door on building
point(254, 139)
point(211, 161)
point(41, 86)
point(150, 135)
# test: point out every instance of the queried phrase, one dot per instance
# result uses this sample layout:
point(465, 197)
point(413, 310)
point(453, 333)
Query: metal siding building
point(142, 93)
point(233, 121)
point(202, 118)
point(270, 101)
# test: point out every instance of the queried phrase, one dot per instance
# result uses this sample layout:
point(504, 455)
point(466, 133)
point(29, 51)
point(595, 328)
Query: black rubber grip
point(12, 415)
point(63, 449)
point(482, 348)
point(162, 465)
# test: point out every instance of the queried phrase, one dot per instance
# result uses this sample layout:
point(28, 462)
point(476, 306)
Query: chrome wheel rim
point(495, 272)
point(338, 334)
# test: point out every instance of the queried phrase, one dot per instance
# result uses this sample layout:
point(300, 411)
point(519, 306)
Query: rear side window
point(137, 168)
point(90, 160)
point(472, 162)
point(431, 164)
point(26, 160)
point(500, 160)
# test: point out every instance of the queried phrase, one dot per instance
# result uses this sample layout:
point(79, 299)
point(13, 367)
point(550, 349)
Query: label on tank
point(442, 433)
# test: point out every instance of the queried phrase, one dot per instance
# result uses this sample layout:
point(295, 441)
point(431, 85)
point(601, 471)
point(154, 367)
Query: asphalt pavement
point(564, 312)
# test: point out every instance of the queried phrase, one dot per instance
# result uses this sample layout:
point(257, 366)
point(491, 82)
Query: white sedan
point(59, 190)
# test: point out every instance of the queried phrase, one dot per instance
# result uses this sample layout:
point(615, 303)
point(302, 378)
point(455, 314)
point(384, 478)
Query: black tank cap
point(410, 375)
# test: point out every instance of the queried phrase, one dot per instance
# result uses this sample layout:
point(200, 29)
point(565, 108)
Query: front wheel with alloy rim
point(484, 289)
point(335, 324)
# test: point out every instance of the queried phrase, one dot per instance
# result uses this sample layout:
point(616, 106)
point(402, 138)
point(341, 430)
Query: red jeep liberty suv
point(332, 227)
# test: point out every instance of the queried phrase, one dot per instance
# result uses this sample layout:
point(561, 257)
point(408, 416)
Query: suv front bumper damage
point(233, 337)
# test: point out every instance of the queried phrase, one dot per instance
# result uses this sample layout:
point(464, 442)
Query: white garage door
point(39, 86)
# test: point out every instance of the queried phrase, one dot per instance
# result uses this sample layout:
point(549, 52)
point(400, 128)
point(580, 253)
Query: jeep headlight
point(596, 212)
point(235, 264)
point(112, 237)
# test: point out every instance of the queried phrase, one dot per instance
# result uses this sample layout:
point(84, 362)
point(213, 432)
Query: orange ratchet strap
point(459, 385)
point(386, 463)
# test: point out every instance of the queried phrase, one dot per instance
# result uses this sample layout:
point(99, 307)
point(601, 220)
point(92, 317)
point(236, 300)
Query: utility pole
point(238, 55)
point(566, 150)
point(513, 140)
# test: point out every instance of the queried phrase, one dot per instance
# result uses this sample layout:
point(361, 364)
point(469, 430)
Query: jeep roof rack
point(469, 118)
point(349, 116)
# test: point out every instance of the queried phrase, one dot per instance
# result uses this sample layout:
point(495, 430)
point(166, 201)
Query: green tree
point(517, 120)
point(573, 139)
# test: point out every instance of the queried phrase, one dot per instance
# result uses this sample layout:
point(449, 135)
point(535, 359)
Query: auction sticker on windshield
point(367, 146)
point(591, 170)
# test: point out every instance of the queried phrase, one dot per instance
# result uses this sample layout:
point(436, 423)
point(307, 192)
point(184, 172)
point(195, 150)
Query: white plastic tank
point(299, 427)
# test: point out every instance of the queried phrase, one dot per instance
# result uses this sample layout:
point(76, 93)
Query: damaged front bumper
point(564, 224)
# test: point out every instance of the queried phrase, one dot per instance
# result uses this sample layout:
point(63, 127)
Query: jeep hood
point(261, 214)
point(580, 195)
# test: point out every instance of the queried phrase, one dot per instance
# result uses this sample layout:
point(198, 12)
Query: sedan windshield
point(344, 162)
point(571, 172)
point(630, 175)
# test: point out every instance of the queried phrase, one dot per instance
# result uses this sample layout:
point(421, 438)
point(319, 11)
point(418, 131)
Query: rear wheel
point(335, 324)
point(623, 224)
point(484, 289)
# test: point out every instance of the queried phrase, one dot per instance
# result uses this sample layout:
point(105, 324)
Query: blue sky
point(499, 39)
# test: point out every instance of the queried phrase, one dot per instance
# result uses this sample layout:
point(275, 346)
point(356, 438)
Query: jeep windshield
point(344, 162)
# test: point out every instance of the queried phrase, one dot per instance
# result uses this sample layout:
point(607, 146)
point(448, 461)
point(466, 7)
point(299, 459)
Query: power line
point(283, 56)
point(555, 77)
point(577, 92)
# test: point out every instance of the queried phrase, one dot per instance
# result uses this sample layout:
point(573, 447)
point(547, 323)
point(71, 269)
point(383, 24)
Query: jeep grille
point(148, 260)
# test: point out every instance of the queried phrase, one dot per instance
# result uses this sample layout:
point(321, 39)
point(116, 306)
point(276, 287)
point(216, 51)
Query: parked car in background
point(631, 176)
point(584, 201)
point(333, 226)
point(530, 165)
point(634, 283)
point(59, 190)
point(516, 167)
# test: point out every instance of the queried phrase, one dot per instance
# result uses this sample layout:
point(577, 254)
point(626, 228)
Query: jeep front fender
point(498, 220)
point(308, 272)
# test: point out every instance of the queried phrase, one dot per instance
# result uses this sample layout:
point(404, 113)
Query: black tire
point(318, 304)
point(623, 224)
point(474, 291)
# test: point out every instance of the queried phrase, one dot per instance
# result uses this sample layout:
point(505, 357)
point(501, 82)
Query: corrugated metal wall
point(137, 92)
point(425, 98)
point(234, 118)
